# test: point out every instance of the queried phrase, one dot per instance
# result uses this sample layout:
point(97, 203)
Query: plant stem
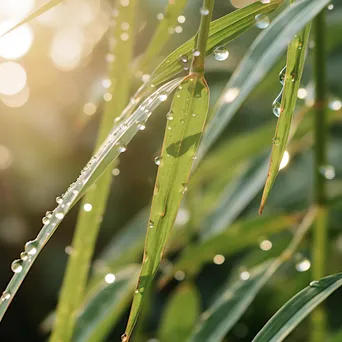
point(88, 221)
point(320, 230)
point(202, 36)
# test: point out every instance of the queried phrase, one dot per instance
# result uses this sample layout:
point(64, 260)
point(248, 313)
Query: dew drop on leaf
point(157, 160)
point(262, 21)
point(31, 247)
point(17, 266)
point(221, 53)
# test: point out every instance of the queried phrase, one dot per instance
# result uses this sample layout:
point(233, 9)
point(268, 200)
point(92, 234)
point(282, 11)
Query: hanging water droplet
point(31, 247)
point(262, 21)
point(150, 224)
point(59, 199)
point(141, 125)
point(48, 214)
point(121, 147)
point(124, 338)
point(276, 105)
point(23, 256)
point(328, 171)
point(169, 116)
point(5, 296)
point(315, 283)
point(282, 75)
point(17, 266)
point(157, 160)
point(45, 220)
point(204, 11)
point(221, 53)
point(184, 58)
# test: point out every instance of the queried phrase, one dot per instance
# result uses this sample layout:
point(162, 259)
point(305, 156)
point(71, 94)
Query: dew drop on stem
point(31, 247)
point(17, 266)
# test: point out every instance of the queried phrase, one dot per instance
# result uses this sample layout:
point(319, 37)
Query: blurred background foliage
point(53, 82)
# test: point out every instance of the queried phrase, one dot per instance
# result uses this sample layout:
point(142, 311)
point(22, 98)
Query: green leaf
point(39, 11)
point(180, 315)
point(229, 241)
point(105, 305)
point(232, 303)
point(297, 308)
point(264, 52)
point(222, 31)
point(182, 136)
point(94, 202)
point(294, 69)
point(112, 147)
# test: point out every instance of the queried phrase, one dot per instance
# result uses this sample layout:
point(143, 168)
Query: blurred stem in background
point(318, 330)
point(94, 202)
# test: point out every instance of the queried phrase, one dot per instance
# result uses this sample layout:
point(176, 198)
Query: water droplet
point(17, 266)
point(244, 275)
point(87, 207)
point(116, 172)
point(335, 104)
point(31, 247)
point(328, 171)
point(163, 97)
point(59, 199)
point(169, 116)
point(181, 19)
point(150, 224)
point(285, 160)
point(221, 53)
point(196, 53)
point(315, 283)
point(48, 214)
point(109, 278)
point(45, 220)
point(330, 7)
point(184, 188)
point(124, 338)
point(262, 21)
point(302, 93)
point(184, 58)
point(275, 141)
point(5, 296)
point(276, 105)
point(136, 291)
point(265, 245)
point(157, 160)
point(219, 259)
point(282, 75)
point(59, 215)
point(303, 265)
point(141, 125)
point(204, 11)
point(121, 147)
point(160, 16)
point(23, 256)
point(231, 94)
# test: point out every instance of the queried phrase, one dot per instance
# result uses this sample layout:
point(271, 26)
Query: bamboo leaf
point(297, 308)
point(39, 11)
point(113, 146)
point(294, 69)
point(105, 304)
point(94, 202)
point(222, 31)
point(180, 315)
point(264, 52)
point(231, 304)
point(183, 132)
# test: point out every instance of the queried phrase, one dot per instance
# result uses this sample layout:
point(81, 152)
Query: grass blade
point(105, 304)
point(295, 65)
point(222, 31)
point(88, 222)
point(181, 139)
point(232, 303)
point(180, 315)
point(297, 308)
point(113, 146)
point(264, 52)
point(39, 11)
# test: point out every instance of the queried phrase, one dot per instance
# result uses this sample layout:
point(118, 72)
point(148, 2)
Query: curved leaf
point(264, 52)
point(297, 308)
